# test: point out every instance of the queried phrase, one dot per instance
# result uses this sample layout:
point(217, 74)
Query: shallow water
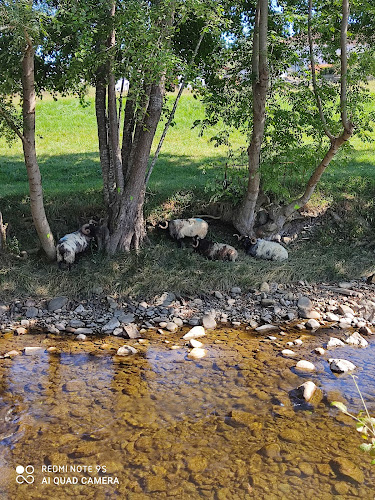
point(158, 425)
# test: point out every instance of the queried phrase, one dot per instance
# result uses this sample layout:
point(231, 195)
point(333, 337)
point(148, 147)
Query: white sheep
point(73, 243)
point(185, 228)
point(263, 249)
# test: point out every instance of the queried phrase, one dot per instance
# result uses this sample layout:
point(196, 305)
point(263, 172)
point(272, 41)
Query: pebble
point(209, 322)
point(111, 325)
point(57, 303)
point(312, 324)
point(356, 339)
point(365, 330)
point(266, 328)
point(319, 350)
point(332, 317)
point(298, 342)
point(304, 365)
point(126, 350)
point(30, 351)
point(195, 343)
point(81, 336)
point(307, 390)
point(84, 331)
point(11, 354)
point(343, 309)
point(195, 333)
point(171, 327)
point(288, 352)
point(21, 331)
point(264, 287)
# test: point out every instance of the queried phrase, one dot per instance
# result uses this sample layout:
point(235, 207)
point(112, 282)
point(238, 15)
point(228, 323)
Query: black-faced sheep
point(214, 251)
point(263, 249)
point(185, 228)
point(73, 243)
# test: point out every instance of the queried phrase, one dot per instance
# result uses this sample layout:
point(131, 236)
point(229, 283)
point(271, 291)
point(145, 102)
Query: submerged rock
point(30, 351)
point(126, 350)
point(197, 353)
point(347, 468)
point(334, 342)
point(309, 392)
point(341, 365)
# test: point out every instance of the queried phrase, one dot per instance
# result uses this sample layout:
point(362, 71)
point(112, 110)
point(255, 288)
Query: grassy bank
point(67, 151)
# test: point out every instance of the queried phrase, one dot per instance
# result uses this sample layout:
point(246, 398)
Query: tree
point(21, 29)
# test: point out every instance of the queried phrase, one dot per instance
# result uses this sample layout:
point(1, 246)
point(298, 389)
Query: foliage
point(365, 424)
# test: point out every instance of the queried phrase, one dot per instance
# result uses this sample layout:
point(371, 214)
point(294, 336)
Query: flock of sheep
point(180, 230)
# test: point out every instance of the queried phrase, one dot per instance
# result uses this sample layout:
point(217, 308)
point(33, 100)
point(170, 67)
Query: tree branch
point(344, 63)
point(11, 124)
point(313, 75)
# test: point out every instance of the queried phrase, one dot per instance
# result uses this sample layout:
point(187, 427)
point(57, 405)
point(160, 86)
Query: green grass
point(69, 162)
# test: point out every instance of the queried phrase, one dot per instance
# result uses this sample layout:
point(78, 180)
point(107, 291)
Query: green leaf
point(365, 447)
point(131, 198)
point(340, 406)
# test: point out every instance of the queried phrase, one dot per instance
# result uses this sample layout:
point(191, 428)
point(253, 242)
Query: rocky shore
point(345, 305)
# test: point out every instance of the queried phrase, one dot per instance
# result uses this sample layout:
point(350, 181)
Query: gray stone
point(3, 309)
point(267, 302)
point(53, 329)
point(194, 321)
point(25, 323)
point(112, 303)
point(171, 327)
point(332, 317)
point(304, 303)
point(31, 351)
point(309, 314)
point(31, 312)
point(266, 328)
point(84, 331)
point(319, 350)
point(178, 321)
point(126, 350)
point(165, 299)
point(341, 365)
point(131, 331)
point(76, 323)
point(335, 342)
point(356, 339)
point(124, 318)
point(111, 325)
point(81, 336)
point(218, 295)
point(80, 310)
point(343, 309)
point(236, 290)
point(264, 287)
point(57, 303)
point(312, 324)
point(209, 322)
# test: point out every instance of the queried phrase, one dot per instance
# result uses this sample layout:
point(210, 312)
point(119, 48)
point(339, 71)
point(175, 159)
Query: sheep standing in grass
point(263, 249)
point(73, 243)
point(214, 251)
point(185, 228)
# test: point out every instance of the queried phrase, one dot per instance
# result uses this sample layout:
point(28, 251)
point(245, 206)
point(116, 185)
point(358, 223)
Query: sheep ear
point(86, 229)
point(163, 225)
point(253, 241)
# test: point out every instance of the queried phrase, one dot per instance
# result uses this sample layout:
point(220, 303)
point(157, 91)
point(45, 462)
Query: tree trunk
point(245, 218)
point(3, 234)
point(28, 143)
point(126, 229)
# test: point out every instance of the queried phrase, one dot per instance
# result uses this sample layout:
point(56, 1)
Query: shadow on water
point(160, 425)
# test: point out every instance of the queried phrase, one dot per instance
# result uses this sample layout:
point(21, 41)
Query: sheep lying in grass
point(185, 228)
point(73, 243)
point(214, 251)
point(263, 249)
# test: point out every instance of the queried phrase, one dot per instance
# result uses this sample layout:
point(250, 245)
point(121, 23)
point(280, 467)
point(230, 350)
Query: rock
point(171, 327)
point(126, 350)
point(76, 323)
point(60, 326)
point(112, 303)
point(341, 365)
point(271, 337)
point(3, 309)
point(195, 333)
point(218, 295)
point(31, 351)
point(80, 310)
point(312, 324)
point(178, 321)
point(195, 343)
point(31, 312)
point(52, 349)
point(11, 354)
point(194, 321)
point(356, 339)
point(365, 330)
point(292, 436)
point(84, 331)
point(267, 302)
point(163, 324)
point(304, 365)
point(154, 484)
point(343, 309)
point(236, 290)
point(332, 317)
point(81, 336)
point(298, 342)
point(165, 299)
point(309, 314)
point(53, 329)
point(334, 342)
point(288, 352)
point(240, 418)
point(111, 325)
point(319, 350)
point(307, 391)
point(209, 322)
point(271, 450)
point(118, 332)
point(21, 331)
point(197, 353)
point(124, 318)
point(347, 468)
point(264, 287)
point(266, 328)
point(131, 331)
point(196, 464)
point(304, 303)
point(57, 303)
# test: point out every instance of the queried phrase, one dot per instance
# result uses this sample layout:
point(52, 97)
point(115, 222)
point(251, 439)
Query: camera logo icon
point(28, 477)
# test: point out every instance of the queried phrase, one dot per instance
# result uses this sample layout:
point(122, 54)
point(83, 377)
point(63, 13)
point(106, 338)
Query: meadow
point(69, 162)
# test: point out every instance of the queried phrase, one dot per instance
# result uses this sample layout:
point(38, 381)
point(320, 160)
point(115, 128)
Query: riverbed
point(85, 423)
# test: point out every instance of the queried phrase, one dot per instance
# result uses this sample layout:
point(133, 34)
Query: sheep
point(263, 249)
point(185, 228)
point(214, 251)
point(73, 243)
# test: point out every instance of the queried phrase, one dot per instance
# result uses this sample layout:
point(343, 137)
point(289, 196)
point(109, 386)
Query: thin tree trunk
point(101, 120)
point(171, 116)
point(33, 172)
point(3, 234)
point(245, 218)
